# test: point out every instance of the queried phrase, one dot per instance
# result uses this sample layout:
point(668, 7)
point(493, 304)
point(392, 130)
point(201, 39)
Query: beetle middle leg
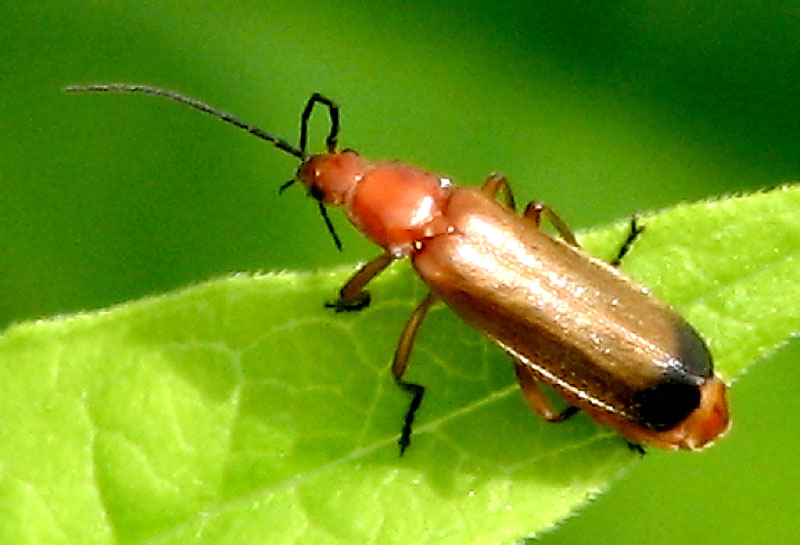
point(400, 364)
point(353, 296)
point(633, 234)
point(536, 399)
point(496, 183)
point(534, 211)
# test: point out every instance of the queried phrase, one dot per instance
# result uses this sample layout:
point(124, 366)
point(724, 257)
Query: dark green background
point(599, 111)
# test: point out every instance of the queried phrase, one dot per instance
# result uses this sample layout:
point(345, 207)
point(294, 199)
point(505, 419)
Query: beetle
point(566, 319)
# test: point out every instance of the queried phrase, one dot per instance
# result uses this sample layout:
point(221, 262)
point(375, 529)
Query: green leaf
point(241, 411)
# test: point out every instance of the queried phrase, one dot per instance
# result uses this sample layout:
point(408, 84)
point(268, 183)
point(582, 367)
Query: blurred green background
point(599, 109)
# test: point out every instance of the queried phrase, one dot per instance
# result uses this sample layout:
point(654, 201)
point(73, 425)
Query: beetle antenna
point(324, 213)
point(203, 107)
point(286, 185)
point(300, 153)
point(333, 110)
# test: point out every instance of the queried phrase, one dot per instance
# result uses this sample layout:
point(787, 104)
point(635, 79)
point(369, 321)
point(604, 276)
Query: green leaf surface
point(241, 411)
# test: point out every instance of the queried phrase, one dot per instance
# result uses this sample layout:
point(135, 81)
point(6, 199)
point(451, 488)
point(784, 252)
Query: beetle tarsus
point(567, 413)
point(636, 447)
point(354, 305)
point(633, 234)
point(418, 391)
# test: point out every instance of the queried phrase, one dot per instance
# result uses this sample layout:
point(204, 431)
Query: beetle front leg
point(352, 296)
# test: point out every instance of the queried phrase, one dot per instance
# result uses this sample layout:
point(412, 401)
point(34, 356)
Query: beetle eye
point(665, 405)
point(316, 193)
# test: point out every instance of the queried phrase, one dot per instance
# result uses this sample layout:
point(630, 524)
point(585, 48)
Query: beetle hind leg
point(633, 234)
point(534, 212)
point(497, 183)
point(636, 447)
point(536, 399)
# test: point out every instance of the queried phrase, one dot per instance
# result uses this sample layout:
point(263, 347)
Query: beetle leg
point(400, 364)
point(633, 234)
point(352, 296)
point(536, 399)
point(496, 183)
point(636, 447)
point(535, 210)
